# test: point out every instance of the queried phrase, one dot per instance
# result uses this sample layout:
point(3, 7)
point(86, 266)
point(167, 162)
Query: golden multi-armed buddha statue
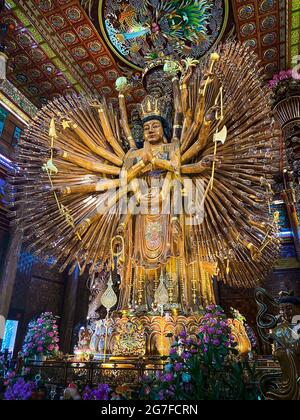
point(156, 229)
point(192, 204)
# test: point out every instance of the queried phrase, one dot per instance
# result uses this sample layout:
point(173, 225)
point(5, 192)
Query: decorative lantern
point(109, 299)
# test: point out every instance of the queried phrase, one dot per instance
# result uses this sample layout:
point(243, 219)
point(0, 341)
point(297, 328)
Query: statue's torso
point(152, 238)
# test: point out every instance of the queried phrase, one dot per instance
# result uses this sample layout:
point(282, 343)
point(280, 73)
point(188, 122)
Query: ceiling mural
point(137, 29)
point(62, 46)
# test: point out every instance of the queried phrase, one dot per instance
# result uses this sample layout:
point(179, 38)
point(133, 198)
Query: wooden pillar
point(289, 199)
point(69, 311)
point(294, 223)
point(216, 291)
point(8, 275)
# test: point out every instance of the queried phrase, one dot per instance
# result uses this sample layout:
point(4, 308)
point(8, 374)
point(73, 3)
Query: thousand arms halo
point(70, 180)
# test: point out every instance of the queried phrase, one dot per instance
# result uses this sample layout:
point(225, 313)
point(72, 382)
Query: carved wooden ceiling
point(55, 47)
point(261, 24)
point(272, 29)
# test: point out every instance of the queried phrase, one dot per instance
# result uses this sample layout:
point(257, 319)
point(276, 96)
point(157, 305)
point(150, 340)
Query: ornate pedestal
point(149, 336)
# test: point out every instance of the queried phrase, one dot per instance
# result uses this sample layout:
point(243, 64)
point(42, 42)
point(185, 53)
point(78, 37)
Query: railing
point(113, 372)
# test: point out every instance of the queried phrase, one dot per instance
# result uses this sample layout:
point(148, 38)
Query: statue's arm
point(164, 164)
point(198, 121)
point(124, 121)
point(178, 108)
point(199, 167)
point(108, 131)
point(88, 164)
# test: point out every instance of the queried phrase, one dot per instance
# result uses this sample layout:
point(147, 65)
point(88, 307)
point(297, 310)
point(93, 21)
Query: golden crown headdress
point(156, 108)
point(152, 106)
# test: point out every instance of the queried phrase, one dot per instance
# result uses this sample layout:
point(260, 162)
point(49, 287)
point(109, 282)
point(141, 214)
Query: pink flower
point(50, 347)
point(296, 76)
point(283, 75)
point(147, 390)
point(50, 334)
point(40, 349)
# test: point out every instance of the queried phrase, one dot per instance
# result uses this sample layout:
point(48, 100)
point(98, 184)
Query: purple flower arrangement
point(215, 332)
point(285, 85)
point(20, 390)
point(99, 394)
point(201, 366)
point(283, 75)
point(42, 337)
point(252, 337)
point(22, 385)
point(2, 366)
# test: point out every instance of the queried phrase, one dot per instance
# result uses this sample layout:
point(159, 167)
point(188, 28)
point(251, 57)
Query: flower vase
point(40, 357)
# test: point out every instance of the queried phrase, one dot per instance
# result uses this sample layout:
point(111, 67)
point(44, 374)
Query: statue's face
point(154, 132)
